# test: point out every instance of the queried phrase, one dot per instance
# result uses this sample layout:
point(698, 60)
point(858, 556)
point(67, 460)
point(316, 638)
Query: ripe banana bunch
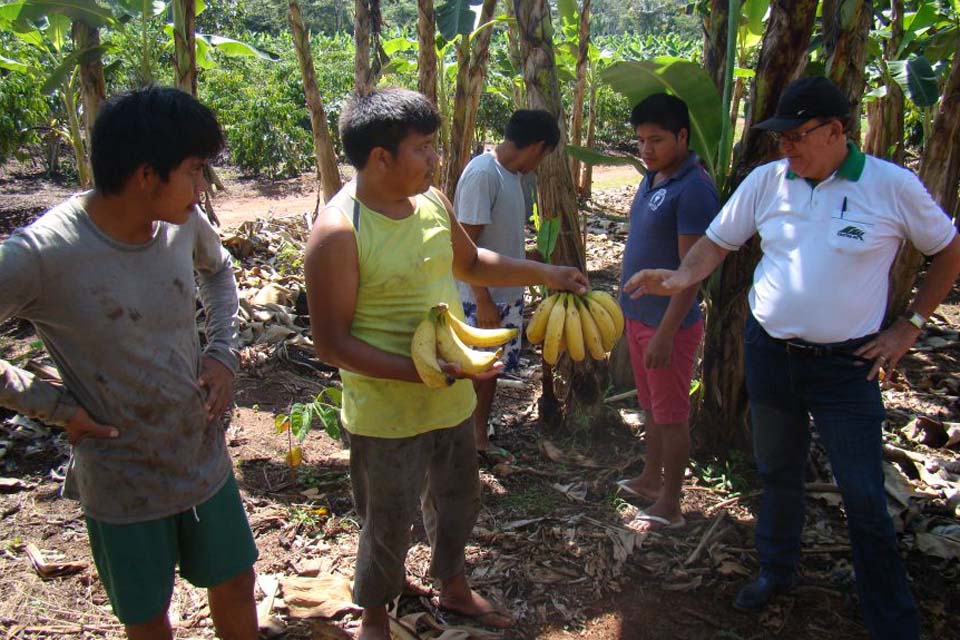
point(579, 325)
point(442, 334)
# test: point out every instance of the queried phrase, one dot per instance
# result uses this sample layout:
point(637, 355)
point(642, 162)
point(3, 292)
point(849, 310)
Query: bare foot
point(478, 608)
point(658, 517)
point(374, 625)
point(641, 487)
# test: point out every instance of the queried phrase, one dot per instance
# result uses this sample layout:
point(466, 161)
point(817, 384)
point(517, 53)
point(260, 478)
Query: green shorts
point(136, 562)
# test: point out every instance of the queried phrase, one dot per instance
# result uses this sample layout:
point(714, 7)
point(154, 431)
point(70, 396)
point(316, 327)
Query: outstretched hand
point(81, 425)
point(454, 371)
point(657, 282)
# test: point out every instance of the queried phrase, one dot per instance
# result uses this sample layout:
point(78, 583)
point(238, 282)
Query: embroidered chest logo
point(657, 199)
point(852, 232)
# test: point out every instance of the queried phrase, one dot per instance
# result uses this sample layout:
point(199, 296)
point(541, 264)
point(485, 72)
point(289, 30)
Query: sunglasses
point(794, 137)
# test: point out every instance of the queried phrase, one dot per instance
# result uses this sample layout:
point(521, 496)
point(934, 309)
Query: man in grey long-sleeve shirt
point(107, 279)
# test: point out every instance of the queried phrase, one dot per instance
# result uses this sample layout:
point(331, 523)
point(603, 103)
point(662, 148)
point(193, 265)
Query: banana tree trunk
point(722, 418)
point(185, 45)
point(846, 45)
point(427, 55)
point(715, 40)
point(885, 115)
point(92, 85)
point(940, 172)
point(476, 75)
point(366, 36)
point(328, 173)
point(583, 399)
point(580, 89)
point(585, 186)
point(69, 100)
point(452, 164)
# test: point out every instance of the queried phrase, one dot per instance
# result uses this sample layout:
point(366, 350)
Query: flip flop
point(623, 486)
point(665, 525)
point(483, 617)
point(496, 455)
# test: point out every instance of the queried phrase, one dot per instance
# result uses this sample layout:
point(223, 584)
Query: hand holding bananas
point(565, 279)
point(657, 282)
point(442, 349)
point(591, 323)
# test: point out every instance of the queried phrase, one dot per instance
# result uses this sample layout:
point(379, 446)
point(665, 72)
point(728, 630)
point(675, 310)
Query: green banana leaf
point(592, 157)
point(456, 17)
point(684, 79)
point(88, 11)
point(917, 78)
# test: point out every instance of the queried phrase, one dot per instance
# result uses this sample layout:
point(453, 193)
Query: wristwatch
point(915, 319)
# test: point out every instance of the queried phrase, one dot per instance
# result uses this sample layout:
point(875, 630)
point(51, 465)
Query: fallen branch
point(620, 396)
point(703, 541)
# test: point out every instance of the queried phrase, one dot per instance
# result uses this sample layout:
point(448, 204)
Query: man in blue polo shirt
point(674, 204)
point(831, 221)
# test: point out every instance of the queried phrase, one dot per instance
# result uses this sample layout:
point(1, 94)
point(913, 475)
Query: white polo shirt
point(827, 249)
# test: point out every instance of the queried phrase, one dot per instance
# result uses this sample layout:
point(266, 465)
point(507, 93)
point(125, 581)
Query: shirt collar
point(692, 162)
point(850, 169)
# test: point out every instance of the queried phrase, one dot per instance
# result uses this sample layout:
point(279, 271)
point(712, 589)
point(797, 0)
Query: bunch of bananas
point(442, 334)
point(591, 323)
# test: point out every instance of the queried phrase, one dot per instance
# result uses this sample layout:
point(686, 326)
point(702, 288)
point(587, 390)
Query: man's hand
point(566, 279)
point(657, 282)
point(488, 315)
point(888, 347)
point(454, 371)
point(217, 379)
point(659, 352)
point(81, 425)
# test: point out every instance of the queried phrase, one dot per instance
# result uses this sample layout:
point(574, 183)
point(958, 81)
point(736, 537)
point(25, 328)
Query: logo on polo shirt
point(657, 199)
point(852, 232)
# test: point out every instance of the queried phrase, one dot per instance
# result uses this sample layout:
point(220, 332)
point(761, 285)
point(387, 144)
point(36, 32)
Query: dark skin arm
point(488, 316)
point(660, 349)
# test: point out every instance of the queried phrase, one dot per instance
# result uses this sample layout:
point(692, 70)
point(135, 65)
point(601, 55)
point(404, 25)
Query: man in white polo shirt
point(831, 220)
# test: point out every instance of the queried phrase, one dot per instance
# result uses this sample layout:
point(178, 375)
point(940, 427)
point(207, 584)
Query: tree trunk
point(452, 164)
point(585, 188)
point(940, 172)
point(722, 418)
point(328, 173)
point(366, 37)
point(427, 56)
point(846, 46)
point(476, 75)
point(580, 89)
point(92, 85)
point(885, 115)
point(584, 393)
point(185, 45)
point(715, 40)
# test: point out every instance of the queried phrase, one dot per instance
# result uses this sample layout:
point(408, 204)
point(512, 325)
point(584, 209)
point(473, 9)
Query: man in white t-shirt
point(831, 221)
point(490, 205)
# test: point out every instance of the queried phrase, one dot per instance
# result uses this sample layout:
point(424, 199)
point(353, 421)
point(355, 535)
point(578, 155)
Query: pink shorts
point(664, 393)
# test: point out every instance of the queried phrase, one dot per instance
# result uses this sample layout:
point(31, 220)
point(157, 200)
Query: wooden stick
point(620, 396)
point(706, 536)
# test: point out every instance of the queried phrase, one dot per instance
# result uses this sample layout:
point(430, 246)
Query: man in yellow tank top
point(383, 251)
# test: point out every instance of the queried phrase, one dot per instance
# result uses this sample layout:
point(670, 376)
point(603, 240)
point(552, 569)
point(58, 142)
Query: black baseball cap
point(806, 99)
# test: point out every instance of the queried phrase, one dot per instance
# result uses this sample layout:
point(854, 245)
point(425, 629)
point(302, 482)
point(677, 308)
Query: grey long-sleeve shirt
point(119, 320)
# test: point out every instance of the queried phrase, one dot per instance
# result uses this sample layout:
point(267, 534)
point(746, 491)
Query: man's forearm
point(218, 293)
point(481, 294)
point(361, 357)
point(940, 278)
point(495, 270)
point(24, 393)
point(701, 260)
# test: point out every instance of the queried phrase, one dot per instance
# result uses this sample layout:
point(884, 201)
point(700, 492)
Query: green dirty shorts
point(136, 562)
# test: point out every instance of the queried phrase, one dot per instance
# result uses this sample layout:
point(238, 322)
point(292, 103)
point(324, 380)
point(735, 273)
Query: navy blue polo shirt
point(683, 204)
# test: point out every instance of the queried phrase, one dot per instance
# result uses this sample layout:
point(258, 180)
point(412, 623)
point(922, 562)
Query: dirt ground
point(550, 544)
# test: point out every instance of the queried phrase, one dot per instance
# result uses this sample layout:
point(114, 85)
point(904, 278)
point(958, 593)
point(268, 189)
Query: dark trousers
point(786, 387)
point(389, 475)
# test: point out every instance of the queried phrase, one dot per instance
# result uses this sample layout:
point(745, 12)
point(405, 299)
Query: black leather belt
point(814, 350)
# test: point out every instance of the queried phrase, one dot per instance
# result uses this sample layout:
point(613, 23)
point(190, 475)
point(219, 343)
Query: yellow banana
point(537, 328)
point(573, 331)
point(591, 335)
point(423, 350)
point(477, 337)
point(452, 349)
point(554, 333)
point(605, 324)
point(612, 307)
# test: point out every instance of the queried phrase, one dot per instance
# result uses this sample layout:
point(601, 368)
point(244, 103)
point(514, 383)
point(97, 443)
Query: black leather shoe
point(756, 595)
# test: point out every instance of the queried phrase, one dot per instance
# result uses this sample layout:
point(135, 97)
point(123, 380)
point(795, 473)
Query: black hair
point(530, 126)
point(663, 110)
point(383, 118)
point(157, 126)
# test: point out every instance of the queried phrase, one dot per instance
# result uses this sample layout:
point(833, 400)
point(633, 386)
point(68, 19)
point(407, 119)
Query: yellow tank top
point(406, 267)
